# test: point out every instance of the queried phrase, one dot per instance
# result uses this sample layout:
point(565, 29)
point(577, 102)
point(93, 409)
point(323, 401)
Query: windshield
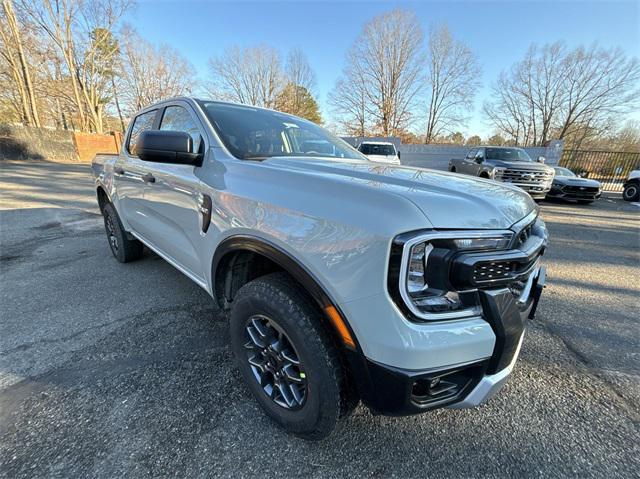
point(373, 149)
point(507, 154)
point(564, 172)
point(255, 134)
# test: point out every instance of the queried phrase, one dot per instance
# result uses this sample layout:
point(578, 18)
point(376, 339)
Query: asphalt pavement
point(112, 370)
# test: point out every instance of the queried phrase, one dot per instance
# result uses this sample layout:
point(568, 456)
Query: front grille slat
point(521, 176)
point(579, 189)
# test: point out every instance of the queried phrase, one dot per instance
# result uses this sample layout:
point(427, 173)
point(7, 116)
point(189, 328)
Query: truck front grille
point(580, 190)
point(524, 177)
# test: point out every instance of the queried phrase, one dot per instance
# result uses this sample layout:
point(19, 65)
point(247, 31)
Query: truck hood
point(569, 180)
point(524, 165)
point(448, 200)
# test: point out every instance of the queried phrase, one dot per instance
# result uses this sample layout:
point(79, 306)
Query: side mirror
point(478, 159)
point(541, 159)
point(167, 147)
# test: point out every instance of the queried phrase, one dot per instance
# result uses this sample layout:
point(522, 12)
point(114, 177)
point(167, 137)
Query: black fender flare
point(285, 261)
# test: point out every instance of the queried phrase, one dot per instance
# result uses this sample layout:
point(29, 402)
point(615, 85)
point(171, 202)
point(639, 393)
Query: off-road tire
point(123, 248)
point(278, 297)
point(631, 192)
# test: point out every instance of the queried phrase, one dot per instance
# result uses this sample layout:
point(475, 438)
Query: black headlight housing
point(435, 275)
point(420, 271)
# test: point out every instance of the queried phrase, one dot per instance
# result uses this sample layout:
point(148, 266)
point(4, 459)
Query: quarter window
point(141, 123)
point(177, 118)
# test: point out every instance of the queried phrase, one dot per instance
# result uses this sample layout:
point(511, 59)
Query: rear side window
point(177, 118)
point(141, 123)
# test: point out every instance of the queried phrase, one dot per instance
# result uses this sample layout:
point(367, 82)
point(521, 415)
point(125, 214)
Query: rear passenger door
point(129, 171)
point(173, 226)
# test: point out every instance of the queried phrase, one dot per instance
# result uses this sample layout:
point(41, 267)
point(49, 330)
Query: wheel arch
point(231, 269)
point(103, 197)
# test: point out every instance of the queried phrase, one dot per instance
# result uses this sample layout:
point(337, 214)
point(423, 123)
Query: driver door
point(173, 197)
point(478, 159)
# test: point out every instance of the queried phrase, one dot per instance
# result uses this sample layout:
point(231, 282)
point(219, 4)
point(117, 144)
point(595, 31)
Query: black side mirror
point(478, 159)
point(167, 147)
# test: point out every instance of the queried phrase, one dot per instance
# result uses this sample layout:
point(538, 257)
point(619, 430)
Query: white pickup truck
point(344, 280)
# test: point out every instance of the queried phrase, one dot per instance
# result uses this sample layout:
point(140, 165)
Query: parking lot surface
point(114, 370)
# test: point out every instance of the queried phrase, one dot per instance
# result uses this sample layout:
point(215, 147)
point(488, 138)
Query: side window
point(177, 118)
point(471, 154)
point(480, 153)
point(141, 123)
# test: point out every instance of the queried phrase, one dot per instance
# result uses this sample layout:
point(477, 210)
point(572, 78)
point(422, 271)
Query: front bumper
point(574, 195)
point(395, 391)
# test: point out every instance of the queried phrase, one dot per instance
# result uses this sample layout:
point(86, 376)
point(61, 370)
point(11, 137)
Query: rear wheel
point(452, 169)
point(123, 248)
point(631, 192)
point(285, 356)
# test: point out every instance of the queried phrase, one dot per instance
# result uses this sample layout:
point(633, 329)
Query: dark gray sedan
point(569, 186)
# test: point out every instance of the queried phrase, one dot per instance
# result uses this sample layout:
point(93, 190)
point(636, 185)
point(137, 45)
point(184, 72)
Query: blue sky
point(498, 32)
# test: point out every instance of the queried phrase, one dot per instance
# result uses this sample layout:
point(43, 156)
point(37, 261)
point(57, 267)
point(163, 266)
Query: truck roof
point(376, 143)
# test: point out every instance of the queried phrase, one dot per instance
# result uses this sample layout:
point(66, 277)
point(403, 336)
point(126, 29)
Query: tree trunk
point(26, 75)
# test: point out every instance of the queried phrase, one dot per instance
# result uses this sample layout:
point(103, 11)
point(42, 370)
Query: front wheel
point(285, 356)
point(631, 192)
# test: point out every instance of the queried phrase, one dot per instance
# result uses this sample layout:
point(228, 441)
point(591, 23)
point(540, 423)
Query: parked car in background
point(380, 151)
point(508, 165)
point(343, 281)
point(569, 186)
point(631, 191)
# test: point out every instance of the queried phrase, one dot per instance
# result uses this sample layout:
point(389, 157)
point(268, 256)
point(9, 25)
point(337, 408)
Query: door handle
point(118, 171)
point(148, 178)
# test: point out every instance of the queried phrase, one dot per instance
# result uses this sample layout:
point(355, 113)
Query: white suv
point(380, 151)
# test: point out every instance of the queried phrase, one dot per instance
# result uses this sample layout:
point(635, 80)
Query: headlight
point(497, 172)
point(424, 272)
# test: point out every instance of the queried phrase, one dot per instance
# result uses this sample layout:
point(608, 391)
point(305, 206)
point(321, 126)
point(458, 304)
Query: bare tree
point(297, 97)
point(82, 30)
point(247, 75)
point(452, 82)
point(349, 102)
point(567, 94)
point(384, 70)
point(149, 73)
point(13, 52)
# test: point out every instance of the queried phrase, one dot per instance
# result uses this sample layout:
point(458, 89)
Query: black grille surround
point(500, 268)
